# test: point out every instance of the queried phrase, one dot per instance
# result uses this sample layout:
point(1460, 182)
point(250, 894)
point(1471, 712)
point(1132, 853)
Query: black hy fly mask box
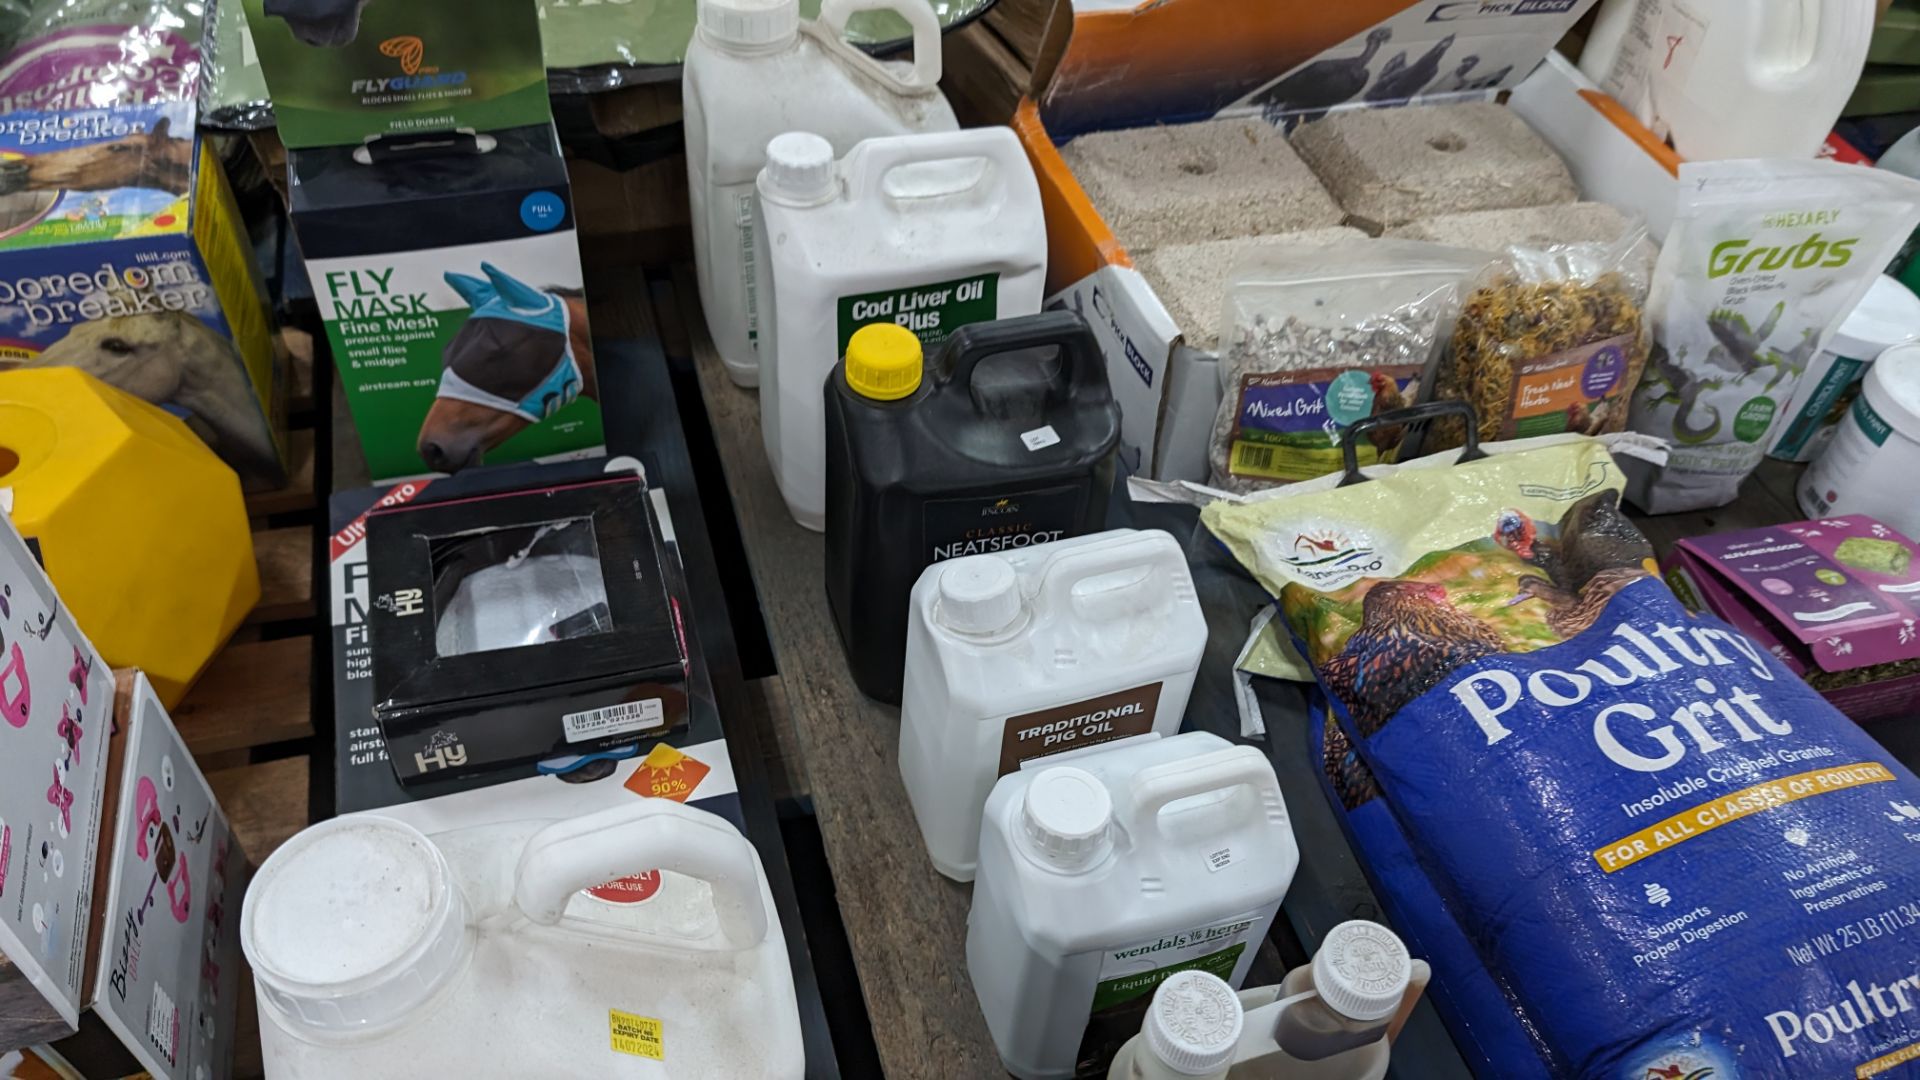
point(513, 627)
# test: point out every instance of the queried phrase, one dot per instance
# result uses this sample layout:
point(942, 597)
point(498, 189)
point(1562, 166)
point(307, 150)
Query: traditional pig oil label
point(930, 311)
point(1573, 390)
point(1082, 724)
point(640, 1036)
point(985, 524)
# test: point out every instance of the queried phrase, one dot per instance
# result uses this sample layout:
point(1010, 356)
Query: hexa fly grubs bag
point(1667, 850)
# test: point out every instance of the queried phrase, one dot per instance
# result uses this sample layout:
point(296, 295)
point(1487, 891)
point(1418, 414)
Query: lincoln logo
point(1003, 506)
point(408, 50)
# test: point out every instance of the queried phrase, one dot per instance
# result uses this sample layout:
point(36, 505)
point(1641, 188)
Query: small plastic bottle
point(1191, 1032)
point(1331, 1019)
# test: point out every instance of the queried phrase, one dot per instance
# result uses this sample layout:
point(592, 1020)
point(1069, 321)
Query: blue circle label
point(542, 211)
point(1349, 397)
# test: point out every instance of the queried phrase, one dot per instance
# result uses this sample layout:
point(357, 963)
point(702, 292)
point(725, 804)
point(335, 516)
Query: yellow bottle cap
point(883, 362)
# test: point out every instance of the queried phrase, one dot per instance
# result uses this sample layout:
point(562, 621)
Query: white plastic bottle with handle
point(753, 70)
point(1105, 872)
point(518, 948)
point(1725, 79)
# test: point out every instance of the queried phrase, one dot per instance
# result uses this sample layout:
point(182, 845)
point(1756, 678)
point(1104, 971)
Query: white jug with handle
point(638, 941)
point(754, 70)
point(1725, 79)
point(1104, 872)
point(931, 232)
point(1033, 651)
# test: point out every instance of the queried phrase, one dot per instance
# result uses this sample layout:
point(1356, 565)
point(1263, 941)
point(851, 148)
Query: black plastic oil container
point(1006, 440)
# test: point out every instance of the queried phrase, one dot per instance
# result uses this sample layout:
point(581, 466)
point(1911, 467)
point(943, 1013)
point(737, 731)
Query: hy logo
point(444, 751)
point(409, 50)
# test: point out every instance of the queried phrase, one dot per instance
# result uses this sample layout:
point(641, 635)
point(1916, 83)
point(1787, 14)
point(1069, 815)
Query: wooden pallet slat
point(285, 558)
point(254, 693)
point(297, 494)
point(265, 803)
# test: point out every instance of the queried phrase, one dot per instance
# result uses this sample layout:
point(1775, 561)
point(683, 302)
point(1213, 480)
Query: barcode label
point(614, 719)
point(1252, 458)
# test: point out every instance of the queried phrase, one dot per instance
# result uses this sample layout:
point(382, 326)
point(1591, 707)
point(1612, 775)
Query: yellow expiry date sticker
point(636, 1035)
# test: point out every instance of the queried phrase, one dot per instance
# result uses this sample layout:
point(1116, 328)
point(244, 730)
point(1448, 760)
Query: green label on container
point(1129, 976)
point(1871, 422)
point(931, 311)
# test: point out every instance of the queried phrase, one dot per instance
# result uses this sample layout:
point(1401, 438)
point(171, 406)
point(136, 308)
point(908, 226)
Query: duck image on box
point(449, 282)
point(521, 626)
point(122, 253)
point(344, 71)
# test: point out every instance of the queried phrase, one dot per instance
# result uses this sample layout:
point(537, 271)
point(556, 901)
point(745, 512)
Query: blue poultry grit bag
point(1675, 858)
point(1489, 1033)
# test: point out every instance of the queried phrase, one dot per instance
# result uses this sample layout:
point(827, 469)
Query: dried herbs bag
point(1674, 856)
point(1550, 339)
point(1315, 338)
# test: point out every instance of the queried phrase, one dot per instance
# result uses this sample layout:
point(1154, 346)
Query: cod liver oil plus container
point(931, 232)
point(1108, 872)
point(1033, 652)
point(754, 69)
point(1005, 442)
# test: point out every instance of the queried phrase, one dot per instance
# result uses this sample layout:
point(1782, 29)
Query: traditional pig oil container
point(1034, 652)
point(140, 526)
point(380, 951)
point(930, 232)
point(1007, 442)
point(1103, 875)
point(754, 69)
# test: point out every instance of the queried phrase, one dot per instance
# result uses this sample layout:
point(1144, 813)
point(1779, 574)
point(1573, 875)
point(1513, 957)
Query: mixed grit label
point(985, 524)
point(1073, 727)
point(931, 311)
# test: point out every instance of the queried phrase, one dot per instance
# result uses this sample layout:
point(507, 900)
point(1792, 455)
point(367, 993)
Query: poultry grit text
point(1631, 734)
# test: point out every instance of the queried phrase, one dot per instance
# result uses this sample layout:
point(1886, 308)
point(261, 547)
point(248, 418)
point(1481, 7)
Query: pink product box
point(1837, 600)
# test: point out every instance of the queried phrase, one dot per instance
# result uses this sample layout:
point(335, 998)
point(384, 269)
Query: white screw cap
point(353, 923)
point(1193, 1025)
point(799, 167)
point(1067, 815)
point(1362, 970)
point(749, 22)
point(979, 594)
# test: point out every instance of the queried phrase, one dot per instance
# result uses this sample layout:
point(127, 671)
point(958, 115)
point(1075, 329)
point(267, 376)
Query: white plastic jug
point(1037, 651)
point(1103, 873)
point(1726, 79)
point(754, 70)
point(932, 232)
point(379, 951)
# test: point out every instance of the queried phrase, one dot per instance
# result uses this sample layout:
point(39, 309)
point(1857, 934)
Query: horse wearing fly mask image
point(522, 356)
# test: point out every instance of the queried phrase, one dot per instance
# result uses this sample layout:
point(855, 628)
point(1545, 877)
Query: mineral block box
point(1837, 600)
point(450, 286)
point(1129, 65)
point(122, 253)
point(56, 709)
point(343, 71)
point(164, 951)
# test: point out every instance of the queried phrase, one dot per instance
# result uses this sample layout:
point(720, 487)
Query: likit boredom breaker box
point(122, 253)
point(449, 282)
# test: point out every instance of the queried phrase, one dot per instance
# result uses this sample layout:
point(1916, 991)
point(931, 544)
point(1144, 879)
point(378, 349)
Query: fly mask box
point(448, 276)
point(520, 626)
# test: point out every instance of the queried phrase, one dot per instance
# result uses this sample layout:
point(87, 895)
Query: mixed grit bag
point(1668, 852)
point(1764, 262)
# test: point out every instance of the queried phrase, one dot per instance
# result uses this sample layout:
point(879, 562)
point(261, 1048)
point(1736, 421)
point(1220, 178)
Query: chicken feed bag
point(1669, 852)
